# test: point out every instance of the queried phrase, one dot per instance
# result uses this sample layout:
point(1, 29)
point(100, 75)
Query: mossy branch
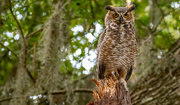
point(80, 90)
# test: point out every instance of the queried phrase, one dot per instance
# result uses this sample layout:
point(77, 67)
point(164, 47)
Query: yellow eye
point(126, 15)
point(115, 15)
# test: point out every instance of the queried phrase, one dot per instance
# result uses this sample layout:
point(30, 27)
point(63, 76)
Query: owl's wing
point(129, 72)
point(133, 67)
point(100, 66)
point(101, 37)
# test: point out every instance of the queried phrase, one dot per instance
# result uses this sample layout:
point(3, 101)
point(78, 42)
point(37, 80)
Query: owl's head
point(119, 15)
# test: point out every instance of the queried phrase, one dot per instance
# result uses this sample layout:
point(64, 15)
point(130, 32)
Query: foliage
point(69, 46)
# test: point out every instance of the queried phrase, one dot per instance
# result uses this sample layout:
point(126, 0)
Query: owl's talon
point(117, 76)
point(124, 83)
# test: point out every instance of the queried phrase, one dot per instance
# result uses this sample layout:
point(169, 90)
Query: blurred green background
point(48, 51)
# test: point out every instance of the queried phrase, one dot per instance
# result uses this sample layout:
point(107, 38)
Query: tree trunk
point(112, 92)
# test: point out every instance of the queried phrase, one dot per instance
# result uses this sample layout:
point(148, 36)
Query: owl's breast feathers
point(116, 50)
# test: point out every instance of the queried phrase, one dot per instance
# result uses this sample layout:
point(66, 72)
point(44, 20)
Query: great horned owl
point(117, 44)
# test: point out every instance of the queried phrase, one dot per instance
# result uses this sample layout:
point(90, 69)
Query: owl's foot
point(122, 80)
point(116, 74)
point(108, 75)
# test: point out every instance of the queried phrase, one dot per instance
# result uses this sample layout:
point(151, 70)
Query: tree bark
point(111, 92)
point(160, 85)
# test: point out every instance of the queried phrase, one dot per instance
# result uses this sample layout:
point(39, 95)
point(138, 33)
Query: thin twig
point(84, 90)
point(162, 17)
point(9, 49)
point(33, 33)
point(19, 26)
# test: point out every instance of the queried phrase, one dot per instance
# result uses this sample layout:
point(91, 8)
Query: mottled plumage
point(117, 44)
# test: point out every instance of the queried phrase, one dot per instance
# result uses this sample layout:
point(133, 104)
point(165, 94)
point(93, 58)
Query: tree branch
point(8, 49)
point(23, 57)
point(160, 85)
point(53, 93)
point(160, 20)
point(5, 99)
point(75, 90)
point(19, 26)
point(175, 46)
point(33, 33)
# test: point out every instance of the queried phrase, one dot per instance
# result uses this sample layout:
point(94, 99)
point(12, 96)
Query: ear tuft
point(131, 7)
point(108, 7)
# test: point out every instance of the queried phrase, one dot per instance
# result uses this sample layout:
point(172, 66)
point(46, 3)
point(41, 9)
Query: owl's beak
point(121, 19)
